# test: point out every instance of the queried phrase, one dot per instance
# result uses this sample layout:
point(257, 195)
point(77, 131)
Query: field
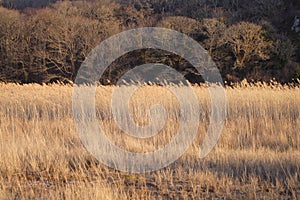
point(257, 156)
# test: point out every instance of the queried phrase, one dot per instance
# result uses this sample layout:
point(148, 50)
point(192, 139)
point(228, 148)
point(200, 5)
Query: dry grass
point(257, 157)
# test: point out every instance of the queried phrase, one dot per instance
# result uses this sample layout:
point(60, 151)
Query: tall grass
point(257, 156)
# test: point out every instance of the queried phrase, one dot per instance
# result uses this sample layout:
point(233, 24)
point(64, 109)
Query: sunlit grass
point(257, 156)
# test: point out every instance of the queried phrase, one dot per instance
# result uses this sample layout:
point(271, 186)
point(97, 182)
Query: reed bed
point(257, 156)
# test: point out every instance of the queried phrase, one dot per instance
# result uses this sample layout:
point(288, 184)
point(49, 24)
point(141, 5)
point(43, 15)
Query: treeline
point(46, 41)
point(21, 4)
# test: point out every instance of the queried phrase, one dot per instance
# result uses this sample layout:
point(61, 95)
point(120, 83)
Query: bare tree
point(10, 49)
point(246, 41)
point(213, 29)
point(182, 24)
